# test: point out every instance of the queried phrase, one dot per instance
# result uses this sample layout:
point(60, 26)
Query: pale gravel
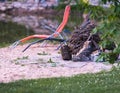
point(14, 67)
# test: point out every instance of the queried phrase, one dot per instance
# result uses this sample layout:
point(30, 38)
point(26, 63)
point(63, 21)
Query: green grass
point(104, 82)
point(11, 32)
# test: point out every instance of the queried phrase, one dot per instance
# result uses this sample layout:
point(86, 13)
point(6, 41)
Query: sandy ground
point(35, 63)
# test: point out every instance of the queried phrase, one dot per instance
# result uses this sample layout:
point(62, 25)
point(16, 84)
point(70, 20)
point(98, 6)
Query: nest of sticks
point(82, 43)
point(83, 34)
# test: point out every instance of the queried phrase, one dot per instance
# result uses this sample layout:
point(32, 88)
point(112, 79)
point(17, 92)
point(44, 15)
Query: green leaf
point(94, 31)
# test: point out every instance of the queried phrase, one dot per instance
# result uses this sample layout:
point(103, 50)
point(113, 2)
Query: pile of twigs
point(82, 34)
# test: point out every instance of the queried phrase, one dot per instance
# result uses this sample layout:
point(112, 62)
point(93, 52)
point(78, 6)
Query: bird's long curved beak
point(15, 44)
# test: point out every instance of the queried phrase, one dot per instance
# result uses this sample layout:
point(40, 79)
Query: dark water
point(18, 27)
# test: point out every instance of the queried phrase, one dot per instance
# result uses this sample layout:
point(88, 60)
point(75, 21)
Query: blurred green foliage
point(10, 32)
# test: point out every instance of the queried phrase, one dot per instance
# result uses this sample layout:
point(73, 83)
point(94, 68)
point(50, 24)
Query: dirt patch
point(41, 62)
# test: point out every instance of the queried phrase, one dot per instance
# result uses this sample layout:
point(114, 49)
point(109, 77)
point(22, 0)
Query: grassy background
point(103, 82)
point(11, 32)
